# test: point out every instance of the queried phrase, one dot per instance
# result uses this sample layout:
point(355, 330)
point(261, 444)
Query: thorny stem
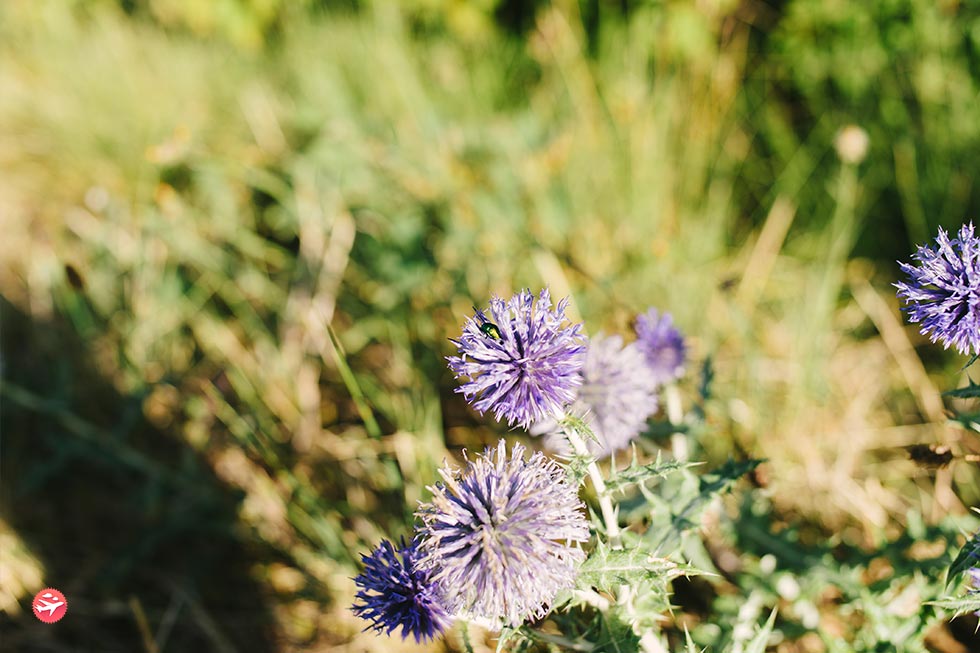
point(605, 503)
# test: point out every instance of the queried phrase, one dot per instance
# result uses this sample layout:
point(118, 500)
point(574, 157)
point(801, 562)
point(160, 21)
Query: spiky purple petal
point(943, 291)
point(527, 373)
point(396, 593)
point(498, 536)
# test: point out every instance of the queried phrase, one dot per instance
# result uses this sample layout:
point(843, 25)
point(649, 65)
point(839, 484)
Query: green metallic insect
point(492, 330)
point(489, 329)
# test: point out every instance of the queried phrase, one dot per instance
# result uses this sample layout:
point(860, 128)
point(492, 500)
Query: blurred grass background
point(236, 236)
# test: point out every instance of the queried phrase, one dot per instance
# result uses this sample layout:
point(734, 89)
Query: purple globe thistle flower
point(395, 592)
point(521, 362)
point(498, 537)
point(662, 345)
point(943, 292)
point(617, 394)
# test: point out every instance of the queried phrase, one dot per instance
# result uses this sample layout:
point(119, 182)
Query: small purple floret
point(662, 345)
point(499, 536)
point(394, 592)
point(525, 368)
point(943, 291)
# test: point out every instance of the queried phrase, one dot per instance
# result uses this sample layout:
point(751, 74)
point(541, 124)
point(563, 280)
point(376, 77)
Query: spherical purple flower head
point(395, 592)
point(943, 292)
point(617, 395)
point(498, 538)
point(662, 345)
point(521, 361)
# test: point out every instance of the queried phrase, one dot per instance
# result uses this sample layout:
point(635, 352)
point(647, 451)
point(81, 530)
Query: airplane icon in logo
point(45, 603)
point(49, 605)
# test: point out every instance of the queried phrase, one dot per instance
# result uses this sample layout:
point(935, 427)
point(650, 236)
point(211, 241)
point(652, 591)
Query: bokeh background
point(235, 236)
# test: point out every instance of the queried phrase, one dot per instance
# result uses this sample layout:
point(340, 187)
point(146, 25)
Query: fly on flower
point(490, 329)
point(521, 361)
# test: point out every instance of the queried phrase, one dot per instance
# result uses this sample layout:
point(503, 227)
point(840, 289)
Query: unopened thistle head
point(521, 360)
point(395, 593)
point(662, 345)
point(617, 395)
point(498, 537)
point(942, 294)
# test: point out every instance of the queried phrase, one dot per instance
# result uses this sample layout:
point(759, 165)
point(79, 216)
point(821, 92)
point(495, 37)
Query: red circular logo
point(49, 605)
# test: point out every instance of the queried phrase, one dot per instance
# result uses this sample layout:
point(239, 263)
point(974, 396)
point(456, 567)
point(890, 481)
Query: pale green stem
point(675, 414)
point(609, 516)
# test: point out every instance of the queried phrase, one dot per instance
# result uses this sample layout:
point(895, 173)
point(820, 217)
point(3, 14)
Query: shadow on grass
point(129, 522)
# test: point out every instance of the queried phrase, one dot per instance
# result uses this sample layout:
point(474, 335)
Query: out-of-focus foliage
point(237, 235)
point(908, 72)
point(902, 70)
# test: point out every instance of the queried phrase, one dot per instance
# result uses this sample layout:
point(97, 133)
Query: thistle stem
point(675, 414)
point(605, 503)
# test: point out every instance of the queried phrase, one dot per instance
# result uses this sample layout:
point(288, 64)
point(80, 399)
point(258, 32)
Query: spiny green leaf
point(969, 556)
point(513, 640)
point(723, 478)
point(971, 391)
point(616, 635)
point(636, 473)
point(577, 468)
point(961, 604)
point(968, 420)
point(565, 643)
point(607, 569)
point(645, 608)
point(973, 359)
point(689, 643)
point(758, 643)
point(577, 424)
point(667, 529)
